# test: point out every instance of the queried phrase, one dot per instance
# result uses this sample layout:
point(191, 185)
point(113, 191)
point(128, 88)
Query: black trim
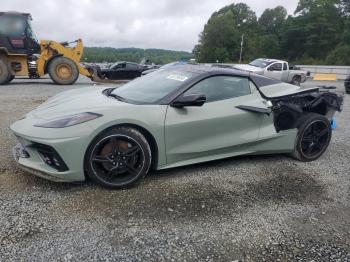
point(50, 156)
point(254, 109)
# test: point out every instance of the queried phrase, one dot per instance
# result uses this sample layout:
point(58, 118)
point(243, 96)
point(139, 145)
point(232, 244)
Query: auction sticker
point(178, 78)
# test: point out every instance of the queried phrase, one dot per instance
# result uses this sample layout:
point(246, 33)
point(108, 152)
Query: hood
point(250, 68)
point(89, 99)
point(284, 89)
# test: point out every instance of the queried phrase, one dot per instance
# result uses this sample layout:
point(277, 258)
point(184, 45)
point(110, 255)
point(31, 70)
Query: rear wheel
point(118, 158)
point(5, 74)
point(313, 139)
point(63, 71)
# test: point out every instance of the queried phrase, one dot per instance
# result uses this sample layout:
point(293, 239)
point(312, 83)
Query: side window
point(131, 67)
point(117, 66)
point(276, 67)
point(221, 87)
point(285, 67)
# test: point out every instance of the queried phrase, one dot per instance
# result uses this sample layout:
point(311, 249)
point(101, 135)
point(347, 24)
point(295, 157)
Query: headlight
point(71, 120)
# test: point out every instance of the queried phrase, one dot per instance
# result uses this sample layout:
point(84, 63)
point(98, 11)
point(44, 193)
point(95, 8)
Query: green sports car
point(170, 118)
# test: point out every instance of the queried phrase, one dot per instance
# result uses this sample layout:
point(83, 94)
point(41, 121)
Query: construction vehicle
point(22, 55)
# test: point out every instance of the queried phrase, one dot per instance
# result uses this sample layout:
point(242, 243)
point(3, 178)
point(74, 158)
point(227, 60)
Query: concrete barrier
point(338, 72)
point(341, 72)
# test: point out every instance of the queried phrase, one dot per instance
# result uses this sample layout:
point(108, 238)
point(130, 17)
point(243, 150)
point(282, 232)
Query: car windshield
point(173, 64)
point(153, 87)
point(260, 63)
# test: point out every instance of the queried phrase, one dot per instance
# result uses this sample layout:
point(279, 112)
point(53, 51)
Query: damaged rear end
point(290, 108)
point(290, 103)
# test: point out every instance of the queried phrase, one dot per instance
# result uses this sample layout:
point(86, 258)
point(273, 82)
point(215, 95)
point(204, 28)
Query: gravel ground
point(261, 208)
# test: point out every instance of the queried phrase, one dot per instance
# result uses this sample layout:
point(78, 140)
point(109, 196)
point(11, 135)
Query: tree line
point(317, 33)
point(156, 56)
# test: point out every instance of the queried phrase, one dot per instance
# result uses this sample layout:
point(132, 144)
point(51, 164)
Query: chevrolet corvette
point(170, 118)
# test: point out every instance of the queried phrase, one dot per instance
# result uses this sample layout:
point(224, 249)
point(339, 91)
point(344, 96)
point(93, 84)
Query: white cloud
point(168, 24)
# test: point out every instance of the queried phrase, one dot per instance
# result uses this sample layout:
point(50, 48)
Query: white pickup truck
point(276, 69)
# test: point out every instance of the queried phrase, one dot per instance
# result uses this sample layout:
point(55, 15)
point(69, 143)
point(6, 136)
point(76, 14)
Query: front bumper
point(70, 150)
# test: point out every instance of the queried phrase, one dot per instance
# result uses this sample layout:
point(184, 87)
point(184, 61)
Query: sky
point(165, 24)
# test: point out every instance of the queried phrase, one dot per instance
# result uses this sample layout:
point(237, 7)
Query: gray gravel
point(264, 208)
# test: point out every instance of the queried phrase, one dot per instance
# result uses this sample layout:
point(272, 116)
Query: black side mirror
point(189, 100)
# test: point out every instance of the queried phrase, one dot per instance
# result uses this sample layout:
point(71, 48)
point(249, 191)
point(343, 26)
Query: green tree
point(272, 21)
point(319, 32)
point(221, 37)
point(339, 56)
point(322, 26)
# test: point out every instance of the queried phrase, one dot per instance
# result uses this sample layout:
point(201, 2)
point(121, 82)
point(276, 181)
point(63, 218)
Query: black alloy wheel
point(314, 137)
point(118, 158)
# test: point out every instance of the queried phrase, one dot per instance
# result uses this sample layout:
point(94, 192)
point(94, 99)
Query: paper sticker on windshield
point(178, 78)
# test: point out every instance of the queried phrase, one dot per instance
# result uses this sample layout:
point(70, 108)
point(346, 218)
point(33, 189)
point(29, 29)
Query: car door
point(118, 72)
point(133, 71)
point(285, 72)
point(275, 71)
point(220, 126)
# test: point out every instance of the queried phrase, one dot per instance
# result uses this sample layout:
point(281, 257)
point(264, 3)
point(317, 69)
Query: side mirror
point(270, 68)
point(189, 100)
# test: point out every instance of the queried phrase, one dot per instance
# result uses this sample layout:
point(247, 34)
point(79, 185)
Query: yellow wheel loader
point(22, 55)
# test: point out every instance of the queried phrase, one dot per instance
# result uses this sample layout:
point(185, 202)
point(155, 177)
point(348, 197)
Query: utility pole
point(242, 42)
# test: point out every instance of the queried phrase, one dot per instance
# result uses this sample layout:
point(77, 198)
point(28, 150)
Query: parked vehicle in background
point(123, 71)
point(276, 69)
point(178, 63)
point(347, 85)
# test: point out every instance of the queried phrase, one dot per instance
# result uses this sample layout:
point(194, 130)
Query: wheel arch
point(148, 135)
point(47, 63)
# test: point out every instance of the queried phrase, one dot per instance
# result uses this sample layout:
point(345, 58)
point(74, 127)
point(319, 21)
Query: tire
point(11, 78)
point(347, 90)
point(118, 158)
point(5, 74)
point(296, 80)
point(314, 136)
point(63, 71)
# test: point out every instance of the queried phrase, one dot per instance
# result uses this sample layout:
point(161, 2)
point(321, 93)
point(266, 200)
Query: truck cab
point(16, 34)
point(276, 69)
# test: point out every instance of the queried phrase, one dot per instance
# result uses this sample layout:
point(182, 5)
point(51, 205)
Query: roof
point(14, 13)
point(201, 69)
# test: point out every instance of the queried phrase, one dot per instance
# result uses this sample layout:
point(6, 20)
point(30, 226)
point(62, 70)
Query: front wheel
point(118, 158)
point(313, 139)
point(63, 71)
point(296, 80)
